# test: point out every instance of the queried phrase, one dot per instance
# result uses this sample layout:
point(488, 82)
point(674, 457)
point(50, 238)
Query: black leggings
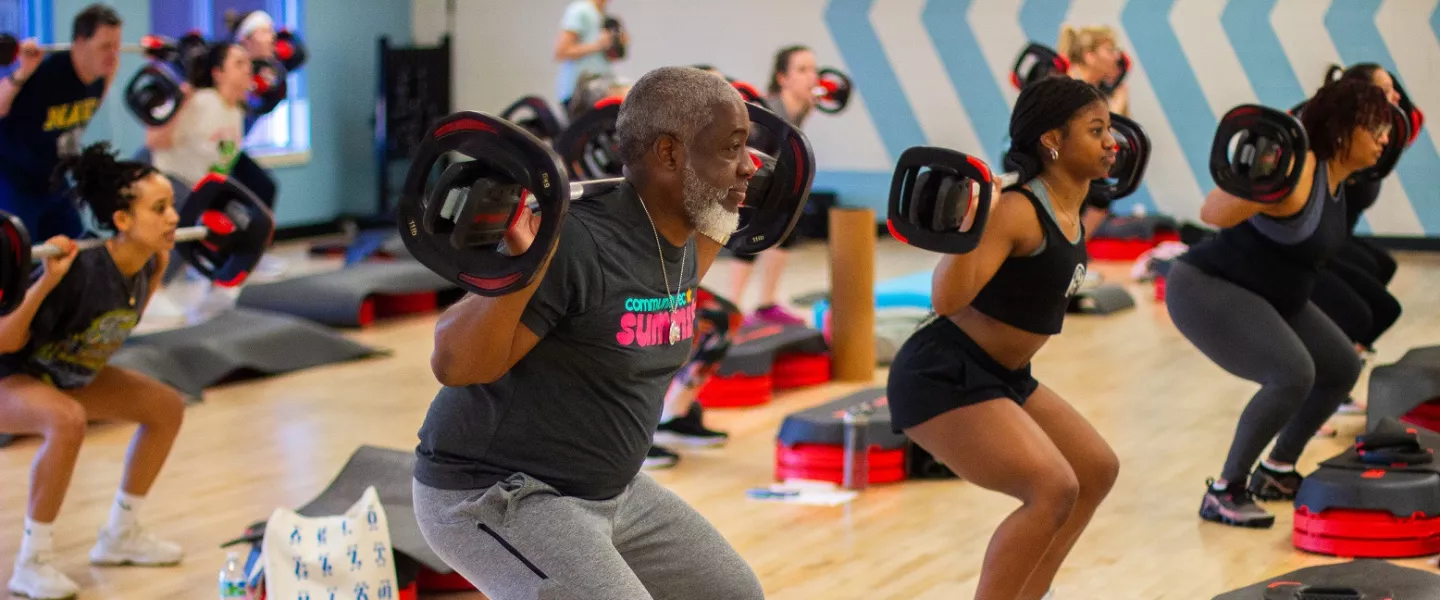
point(1357, 302)
point(1368, 258)
point(1304, 364)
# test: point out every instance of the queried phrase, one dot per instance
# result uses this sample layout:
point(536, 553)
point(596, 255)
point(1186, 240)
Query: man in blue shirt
point(582, 45)
point(45, 104)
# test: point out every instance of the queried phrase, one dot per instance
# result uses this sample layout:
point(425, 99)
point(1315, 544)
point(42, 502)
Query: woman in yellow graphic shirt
point(54, 347)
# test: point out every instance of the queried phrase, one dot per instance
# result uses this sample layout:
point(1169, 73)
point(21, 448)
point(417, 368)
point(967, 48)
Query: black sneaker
point(660, 458)
point(688, 431)
point(1269, 484)
point(1233, 506)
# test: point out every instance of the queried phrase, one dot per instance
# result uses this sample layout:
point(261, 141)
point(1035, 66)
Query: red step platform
point(1426, 415)
point(800, 370)
point(1366, 533)
point(1125, 249)
point(823, 462)
point(737, 391)
point(385, 306)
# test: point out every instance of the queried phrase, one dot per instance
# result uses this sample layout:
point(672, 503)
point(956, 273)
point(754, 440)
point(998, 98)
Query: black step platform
point(1354, 580)
point(356, 295)
point(811, 444)
point(1399, 388)
point(1362, 503)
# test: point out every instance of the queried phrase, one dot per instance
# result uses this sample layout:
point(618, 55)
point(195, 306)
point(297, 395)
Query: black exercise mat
point(1372, 579)
point(237, 341)
point(335, 298)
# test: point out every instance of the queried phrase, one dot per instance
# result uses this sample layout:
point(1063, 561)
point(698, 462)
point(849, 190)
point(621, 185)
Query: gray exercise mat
point(159, 363)
point(195, 357)
point(1369, 580)
point(335, 298)
point(391, 472)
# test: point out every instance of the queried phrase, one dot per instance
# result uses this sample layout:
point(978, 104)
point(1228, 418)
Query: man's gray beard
point(703, 207)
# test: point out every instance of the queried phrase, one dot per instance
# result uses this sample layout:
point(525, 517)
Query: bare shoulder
point(1013, 217)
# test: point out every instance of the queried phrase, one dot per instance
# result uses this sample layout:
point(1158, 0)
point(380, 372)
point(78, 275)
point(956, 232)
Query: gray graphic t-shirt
point(82, 322)
point(579, 410)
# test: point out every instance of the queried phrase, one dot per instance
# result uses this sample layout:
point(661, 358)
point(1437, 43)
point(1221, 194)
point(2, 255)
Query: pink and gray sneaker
point(774, 315)
point(1233, 505)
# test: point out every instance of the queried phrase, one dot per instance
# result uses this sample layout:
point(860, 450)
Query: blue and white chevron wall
point(936, 72)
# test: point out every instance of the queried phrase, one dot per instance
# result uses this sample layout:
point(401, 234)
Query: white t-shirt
point(206, 138)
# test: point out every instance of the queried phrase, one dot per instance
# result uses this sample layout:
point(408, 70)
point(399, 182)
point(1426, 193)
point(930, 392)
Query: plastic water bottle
point(232, 578)
point(857, 446)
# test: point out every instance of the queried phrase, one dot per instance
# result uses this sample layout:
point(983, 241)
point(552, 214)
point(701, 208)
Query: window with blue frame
point(286, 129)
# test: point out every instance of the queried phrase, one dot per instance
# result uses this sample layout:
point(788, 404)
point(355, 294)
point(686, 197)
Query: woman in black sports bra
point(961, 388)
point(1242, 298)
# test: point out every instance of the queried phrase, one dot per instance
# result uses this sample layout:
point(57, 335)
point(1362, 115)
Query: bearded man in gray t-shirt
point(528, 477)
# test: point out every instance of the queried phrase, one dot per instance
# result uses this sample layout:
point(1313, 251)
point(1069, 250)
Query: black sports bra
point(1033, 292)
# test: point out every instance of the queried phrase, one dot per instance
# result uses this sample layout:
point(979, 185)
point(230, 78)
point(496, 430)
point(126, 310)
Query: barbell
point(454, 227)
point(155, 46)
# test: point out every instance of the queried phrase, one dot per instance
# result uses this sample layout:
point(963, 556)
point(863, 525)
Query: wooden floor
point(1168, 412)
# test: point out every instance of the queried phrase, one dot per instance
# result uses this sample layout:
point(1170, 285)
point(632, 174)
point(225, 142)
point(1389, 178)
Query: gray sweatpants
point(1305, 365)
point(522, 540)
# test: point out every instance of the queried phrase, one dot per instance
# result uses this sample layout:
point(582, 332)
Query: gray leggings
point(1305, 365)
point(522, 540)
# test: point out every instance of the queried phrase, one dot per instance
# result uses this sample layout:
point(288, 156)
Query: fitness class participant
point(1095, 58)
point(528, 476)
point(54, 378)
point(791, 94)
point(44, 108)
point(581, 46)
point(960, 386)
point(1351, 290)
point(255, 32)
point(1243, 298)
point(205, 136)
point(682, 419)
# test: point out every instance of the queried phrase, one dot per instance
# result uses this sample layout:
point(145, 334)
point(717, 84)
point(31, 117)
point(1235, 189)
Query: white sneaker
point(134, 547)
point(270, 268)
point(217, 299)
point(36, 577)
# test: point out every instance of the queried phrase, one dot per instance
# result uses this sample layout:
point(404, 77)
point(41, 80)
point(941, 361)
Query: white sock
point(1219, 485)
point(39, 538)
point(1277, 468)
point(123, 511)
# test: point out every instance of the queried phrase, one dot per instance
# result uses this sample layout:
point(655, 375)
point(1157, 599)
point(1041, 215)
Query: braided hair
point(1337, 109)
point(102, 181)
point(1042, 106)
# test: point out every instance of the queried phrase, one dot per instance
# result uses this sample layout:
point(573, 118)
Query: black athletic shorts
point(940, 369)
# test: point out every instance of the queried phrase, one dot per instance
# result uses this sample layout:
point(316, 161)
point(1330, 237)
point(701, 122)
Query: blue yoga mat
point(906, 291)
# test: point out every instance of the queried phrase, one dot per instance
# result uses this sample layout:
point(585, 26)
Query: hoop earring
point(1054, 154)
